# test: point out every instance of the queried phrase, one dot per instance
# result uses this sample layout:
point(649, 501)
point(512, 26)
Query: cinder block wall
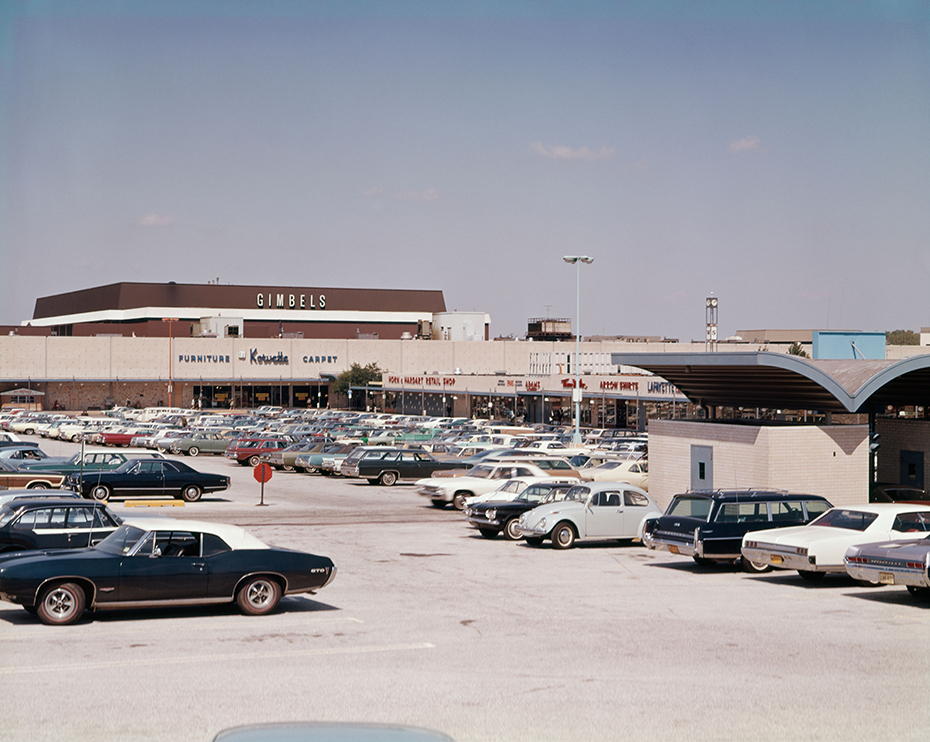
point(828, 460)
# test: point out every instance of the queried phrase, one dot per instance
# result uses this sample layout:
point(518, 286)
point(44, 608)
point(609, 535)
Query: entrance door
point(912, 468)
point(702, 467)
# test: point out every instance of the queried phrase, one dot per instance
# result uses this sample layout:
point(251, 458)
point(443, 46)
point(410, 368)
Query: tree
point(902, 337)
point(797, 350)
point(356, 376)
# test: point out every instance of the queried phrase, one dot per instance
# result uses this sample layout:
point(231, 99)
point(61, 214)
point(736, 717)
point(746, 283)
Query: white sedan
point(819, 547)
point(627, 470)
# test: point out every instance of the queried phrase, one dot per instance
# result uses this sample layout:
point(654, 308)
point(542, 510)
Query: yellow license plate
point(885, 578)
point(673, 549)
point(775, 559)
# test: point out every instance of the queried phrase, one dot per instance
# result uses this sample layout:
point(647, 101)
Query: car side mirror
point(156, 553)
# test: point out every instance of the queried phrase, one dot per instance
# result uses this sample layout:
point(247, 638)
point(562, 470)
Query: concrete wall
point(828, 460)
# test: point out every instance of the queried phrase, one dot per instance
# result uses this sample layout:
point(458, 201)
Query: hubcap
point(259, 593)
point(60, 603)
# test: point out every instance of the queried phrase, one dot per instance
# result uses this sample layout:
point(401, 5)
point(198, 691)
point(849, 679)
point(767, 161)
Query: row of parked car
point(878, 543)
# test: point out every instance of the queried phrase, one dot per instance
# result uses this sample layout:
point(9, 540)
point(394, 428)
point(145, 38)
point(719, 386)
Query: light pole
point(170, 321)
point(577, 260)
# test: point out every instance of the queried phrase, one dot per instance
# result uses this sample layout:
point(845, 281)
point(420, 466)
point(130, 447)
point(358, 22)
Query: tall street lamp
point(577, 260)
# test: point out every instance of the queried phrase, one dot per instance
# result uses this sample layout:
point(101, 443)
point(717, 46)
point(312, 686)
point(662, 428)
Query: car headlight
point(542, 524)
point(468, 512)
point(491, 514)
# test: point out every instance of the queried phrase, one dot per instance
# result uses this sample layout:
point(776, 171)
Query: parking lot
point(429, 624)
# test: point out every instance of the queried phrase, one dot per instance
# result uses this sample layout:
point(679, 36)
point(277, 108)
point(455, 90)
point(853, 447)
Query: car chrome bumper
point(685, 548)
point(888, 575)
point(788, 560)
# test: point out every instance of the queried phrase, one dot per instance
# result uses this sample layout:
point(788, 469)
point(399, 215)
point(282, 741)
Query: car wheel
point(812, 576)
point(288, 467)
point(703, 561)
point(387, 478)
point(191, 493)
point(38, 486)
point(534, 540)
point(101, 492)
point(193, 451)
point(921, 593)
point(488, 532)
point(563, 536)
point(258, 596)
point(458, 501)
point(254, 460)
point(439, 503)
point(61, 604)
point(29, 431)
point(510, 530)
point(754, 567)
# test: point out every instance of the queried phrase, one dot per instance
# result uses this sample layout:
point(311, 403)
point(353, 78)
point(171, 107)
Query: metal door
point(912, 468)
point(702, 467)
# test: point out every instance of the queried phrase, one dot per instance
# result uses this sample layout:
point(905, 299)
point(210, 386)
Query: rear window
point(854, 520)
point(690, 507)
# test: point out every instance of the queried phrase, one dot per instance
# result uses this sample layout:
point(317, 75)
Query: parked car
point(312, 460)
point(212, 442)
point(11, 478)
point(147, 477)
point(161, 561)
point(630, 471)
point(53, 523)
point(821, 545)
point(897, 562)
point(590, 511)
point(899, 493)
point(93, 461)
point(709, 526)
point(10, 495)
point(502, 516)
point(286, 458)
point(248, 451)
point(21, 454)
point(386, 466)
point(479, 480)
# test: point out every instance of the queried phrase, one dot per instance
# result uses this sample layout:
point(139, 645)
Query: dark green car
point(93, 461)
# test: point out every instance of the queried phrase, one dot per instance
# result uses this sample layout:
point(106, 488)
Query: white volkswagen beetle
point(594, 510)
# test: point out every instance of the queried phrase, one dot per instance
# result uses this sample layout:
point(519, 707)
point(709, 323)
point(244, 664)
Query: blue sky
point(776, 154)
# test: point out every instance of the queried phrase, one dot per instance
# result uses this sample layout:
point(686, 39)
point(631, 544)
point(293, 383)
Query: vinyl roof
point(778, 380)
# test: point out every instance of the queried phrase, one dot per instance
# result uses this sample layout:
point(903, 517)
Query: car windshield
point(690, 507)
point(481, 472)
point(121, 540)
point(853, 520)
point(536, 493)
point(579, 494)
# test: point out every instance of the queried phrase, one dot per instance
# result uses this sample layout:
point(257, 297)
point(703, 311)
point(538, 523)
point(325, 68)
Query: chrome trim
point(153, 603)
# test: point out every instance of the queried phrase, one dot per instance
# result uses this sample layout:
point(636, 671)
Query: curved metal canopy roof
point(778, 380)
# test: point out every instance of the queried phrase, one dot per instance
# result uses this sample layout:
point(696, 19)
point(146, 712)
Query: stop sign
point(262, 473)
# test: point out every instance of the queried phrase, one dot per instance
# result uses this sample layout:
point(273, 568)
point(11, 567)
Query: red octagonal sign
point(262, 473)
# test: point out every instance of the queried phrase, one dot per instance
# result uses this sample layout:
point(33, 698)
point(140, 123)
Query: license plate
point(673, 549)
point(885, 578)
point(775, 559)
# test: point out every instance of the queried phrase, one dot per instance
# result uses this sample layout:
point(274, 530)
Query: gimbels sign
point(290, 301)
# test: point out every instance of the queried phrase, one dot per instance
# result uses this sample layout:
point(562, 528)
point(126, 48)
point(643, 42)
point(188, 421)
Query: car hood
point(49, 556)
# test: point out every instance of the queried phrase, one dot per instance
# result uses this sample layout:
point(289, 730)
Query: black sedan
point(501, 516)
point(147, 477)
point(150, 562)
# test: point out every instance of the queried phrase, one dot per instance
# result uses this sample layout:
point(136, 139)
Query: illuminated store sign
point(290, 301)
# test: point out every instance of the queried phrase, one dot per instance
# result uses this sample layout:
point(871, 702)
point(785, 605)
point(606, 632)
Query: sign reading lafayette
point(290, 301)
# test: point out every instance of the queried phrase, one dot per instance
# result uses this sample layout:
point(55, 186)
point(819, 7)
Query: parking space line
point(202, 659)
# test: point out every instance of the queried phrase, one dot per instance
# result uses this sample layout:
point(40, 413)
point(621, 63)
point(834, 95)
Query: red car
point(247, 451)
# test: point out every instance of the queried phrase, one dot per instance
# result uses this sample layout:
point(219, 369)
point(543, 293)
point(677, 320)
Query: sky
point(773, 154)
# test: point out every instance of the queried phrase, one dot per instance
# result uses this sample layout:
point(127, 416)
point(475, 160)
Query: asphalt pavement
point(429, 624)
